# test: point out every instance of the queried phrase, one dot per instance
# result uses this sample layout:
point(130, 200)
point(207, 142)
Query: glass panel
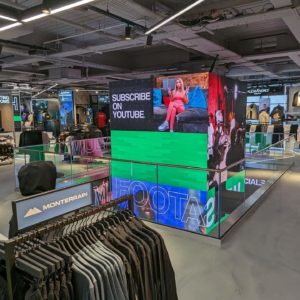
point(139, 180)
point(244, 188)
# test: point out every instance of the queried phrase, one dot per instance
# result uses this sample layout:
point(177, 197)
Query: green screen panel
point(185, 149)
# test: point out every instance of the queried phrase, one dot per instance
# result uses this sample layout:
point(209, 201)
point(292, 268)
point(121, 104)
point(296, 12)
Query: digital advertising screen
point(191, 120)
point(178, 207)
point(66, 110)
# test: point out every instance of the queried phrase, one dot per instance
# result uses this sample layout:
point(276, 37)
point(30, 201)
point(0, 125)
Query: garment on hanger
point(252, 112)
point(6, 150)
point(115, 258)
point(277, 113)
point(264, 118)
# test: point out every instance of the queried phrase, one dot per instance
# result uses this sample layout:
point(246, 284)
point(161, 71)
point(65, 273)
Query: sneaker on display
point(164, 126)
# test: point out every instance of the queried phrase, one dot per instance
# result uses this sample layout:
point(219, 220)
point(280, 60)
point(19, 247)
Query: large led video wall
point(191, 120)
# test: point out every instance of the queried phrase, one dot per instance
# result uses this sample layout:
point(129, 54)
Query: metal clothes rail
point(9, 245)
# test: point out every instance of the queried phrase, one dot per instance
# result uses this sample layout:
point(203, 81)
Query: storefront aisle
point(259, 261)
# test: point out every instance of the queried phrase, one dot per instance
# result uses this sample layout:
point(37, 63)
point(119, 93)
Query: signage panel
point(66, 108)
point(41, 208)
point(263, 90)
point(4, 99)
point(131, 105)
point(17, 112)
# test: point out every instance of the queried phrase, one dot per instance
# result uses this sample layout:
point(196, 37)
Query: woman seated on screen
point(178, 98)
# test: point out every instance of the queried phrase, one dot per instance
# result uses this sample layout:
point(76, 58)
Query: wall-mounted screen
point(66, 108)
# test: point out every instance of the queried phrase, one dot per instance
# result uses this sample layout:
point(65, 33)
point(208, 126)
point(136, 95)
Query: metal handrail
point(171, 165)
point(277, 143)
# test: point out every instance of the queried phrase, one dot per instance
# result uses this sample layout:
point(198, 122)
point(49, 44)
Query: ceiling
point(85, 46)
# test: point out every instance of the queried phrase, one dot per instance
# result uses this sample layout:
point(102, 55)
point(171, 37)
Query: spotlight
point(149, 40)
point(46, 11)
point(128, 33)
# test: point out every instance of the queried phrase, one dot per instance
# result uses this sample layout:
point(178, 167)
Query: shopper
point(178, 98)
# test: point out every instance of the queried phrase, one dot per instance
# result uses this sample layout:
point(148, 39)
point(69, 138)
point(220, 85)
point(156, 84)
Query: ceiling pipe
point(5, 50)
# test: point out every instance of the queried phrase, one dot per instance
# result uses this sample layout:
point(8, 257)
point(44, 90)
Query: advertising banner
point(265, 90)
point(35, 210)
point(182, 208)
point(131, 105)
point(66, 110)
point(192, 120)
point(4, 99)
point(226, 129)
point(17, 112)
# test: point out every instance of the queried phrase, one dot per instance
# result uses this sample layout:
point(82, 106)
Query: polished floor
point(259, 261)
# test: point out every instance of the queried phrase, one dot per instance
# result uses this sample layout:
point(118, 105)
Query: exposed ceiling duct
point(90, 40)
point(6, 50)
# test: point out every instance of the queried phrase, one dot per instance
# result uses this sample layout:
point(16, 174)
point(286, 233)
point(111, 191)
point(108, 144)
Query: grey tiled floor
point(259, 261)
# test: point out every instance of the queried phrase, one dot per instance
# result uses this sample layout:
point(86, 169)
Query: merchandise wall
point(266, 104)
point(205, 111)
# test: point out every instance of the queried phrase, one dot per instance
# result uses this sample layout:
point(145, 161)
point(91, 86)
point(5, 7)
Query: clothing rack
point(10, 245)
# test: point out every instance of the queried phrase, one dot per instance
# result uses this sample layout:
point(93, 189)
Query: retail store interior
point(149, 149)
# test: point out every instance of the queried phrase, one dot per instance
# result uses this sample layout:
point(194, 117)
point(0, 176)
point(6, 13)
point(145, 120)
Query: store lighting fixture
point(181, 12)
point(33, 18)
point(10, 26)
point(149, 40)
point(127, 33)
point(70, 6)
point(48, 11)
point(45, 12)
point(8, 18)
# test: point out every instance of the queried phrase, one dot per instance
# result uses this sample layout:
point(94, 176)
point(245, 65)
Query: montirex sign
point(40, 208)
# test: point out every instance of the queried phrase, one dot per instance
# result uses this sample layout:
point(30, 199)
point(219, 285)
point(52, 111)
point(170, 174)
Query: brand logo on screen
point(4, 99)
point(35, 211)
